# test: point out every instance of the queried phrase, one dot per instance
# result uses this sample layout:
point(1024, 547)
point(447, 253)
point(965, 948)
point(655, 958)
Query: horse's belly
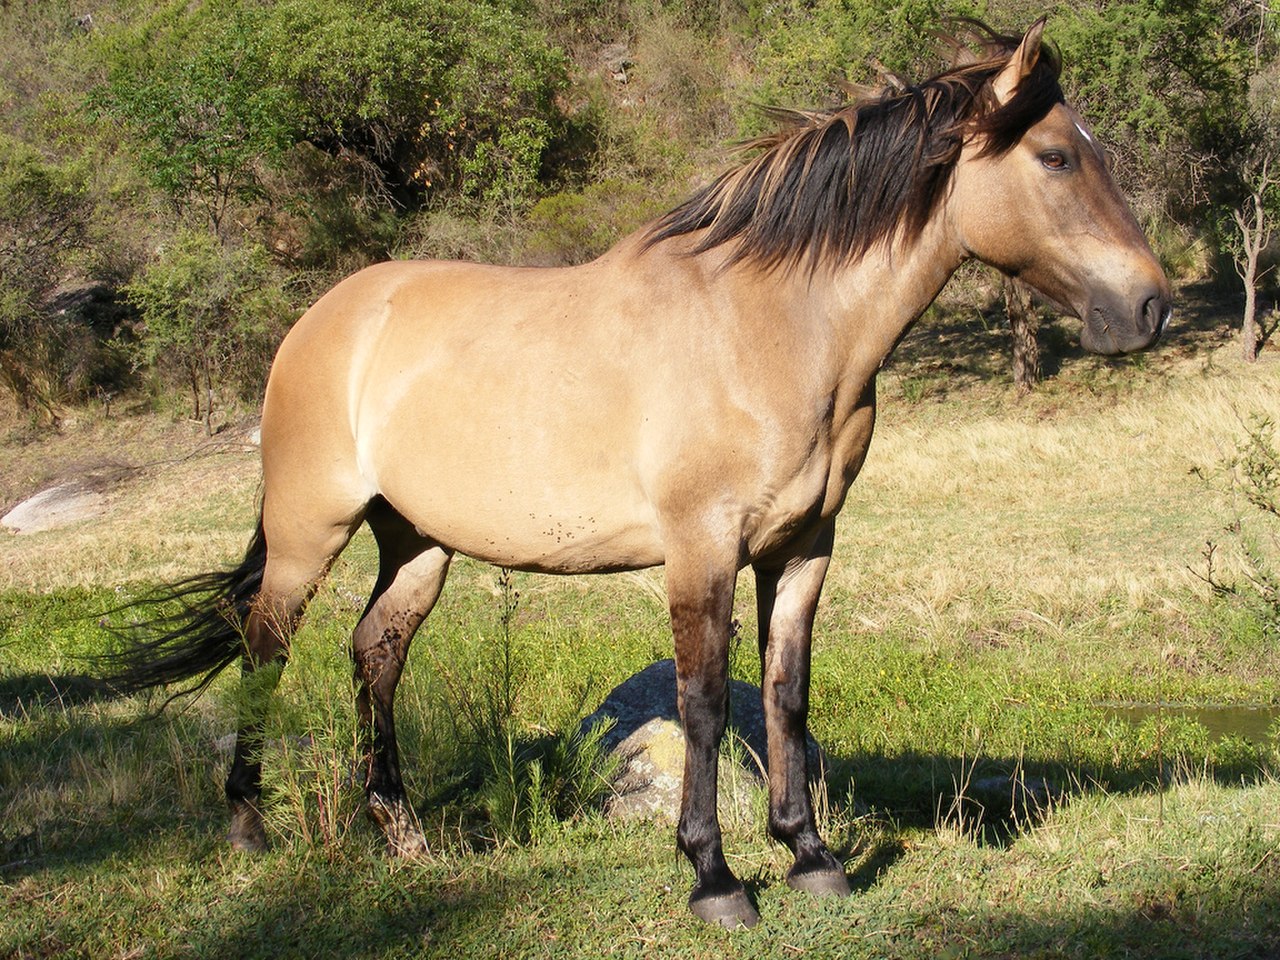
point(513, 502)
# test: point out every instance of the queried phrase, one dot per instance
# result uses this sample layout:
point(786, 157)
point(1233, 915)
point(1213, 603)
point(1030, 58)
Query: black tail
point(197, 640)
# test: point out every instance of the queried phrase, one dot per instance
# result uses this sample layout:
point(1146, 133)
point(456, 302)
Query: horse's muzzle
point(1111, 329)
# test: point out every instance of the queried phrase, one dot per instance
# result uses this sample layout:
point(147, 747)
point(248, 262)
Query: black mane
point(832, 184)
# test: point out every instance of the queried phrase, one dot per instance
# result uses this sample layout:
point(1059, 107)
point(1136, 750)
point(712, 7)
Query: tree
point(434, 96)
point(205, 306)
point(1255, 219)
point(1023, 324)
point(1258, 207)
point(407, 100)
point(190, 85)
point(44, 213)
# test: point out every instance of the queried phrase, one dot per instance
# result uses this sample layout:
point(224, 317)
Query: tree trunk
point(193, 376)
point(1255, 233)
point(1249, 328)
point(208, 398)
point(1023, 323)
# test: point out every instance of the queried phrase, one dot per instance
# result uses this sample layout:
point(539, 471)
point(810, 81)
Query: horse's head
point(1044, 208)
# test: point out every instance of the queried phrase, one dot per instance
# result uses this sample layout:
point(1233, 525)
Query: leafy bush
point(190, 84)
point(211, 311)
point(1256, 472)
point(805, 46)
point(1164, 83)
point(44, 215)
point(439, 95)
point(574, 227)
point(427, 96)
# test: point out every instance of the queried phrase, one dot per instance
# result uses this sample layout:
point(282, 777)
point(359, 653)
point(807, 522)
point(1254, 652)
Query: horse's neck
point(870, 304)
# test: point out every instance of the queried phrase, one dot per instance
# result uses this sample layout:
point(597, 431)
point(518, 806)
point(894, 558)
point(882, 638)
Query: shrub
point(44, 214)
point(209, 310)
point(441, 95)
point(1253, 474)
point(523, 784)
point(574, 227)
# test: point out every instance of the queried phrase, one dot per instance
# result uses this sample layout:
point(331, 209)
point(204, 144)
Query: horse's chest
point(812, 488)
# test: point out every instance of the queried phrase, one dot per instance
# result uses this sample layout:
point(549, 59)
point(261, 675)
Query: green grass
point(1004, 571)
point(112, 822)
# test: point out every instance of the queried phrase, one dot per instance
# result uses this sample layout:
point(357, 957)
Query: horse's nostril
point(1156, 313)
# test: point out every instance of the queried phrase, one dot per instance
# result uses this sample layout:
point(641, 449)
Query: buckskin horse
point(700, 397)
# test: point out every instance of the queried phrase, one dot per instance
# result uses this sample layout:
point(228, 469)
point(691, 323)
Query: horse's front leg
point(787, 596)
point(701, 597)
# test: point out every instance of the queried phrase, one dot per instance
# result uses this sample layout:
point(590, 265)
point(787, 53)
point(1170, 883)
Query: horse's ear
point(1020, 65)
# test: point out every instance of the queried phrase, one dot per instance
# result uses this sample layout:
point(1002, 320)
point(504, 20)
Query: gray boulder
point(649, 741)
point(55, 507)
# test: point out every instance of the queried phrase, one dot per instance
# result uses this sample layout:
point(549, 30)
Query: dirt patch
point(162, 498)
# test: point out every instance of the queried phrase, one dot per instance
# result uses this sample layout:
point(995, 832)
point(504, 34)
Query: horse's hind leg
point(787, 598)
point(298, 556)
point(411, 572)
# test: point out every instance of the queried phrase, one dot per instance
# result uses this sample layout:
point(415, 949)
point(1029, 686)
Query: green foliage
point(207, 309)
point(529, 787)
point(437, 95)
point(44, 216)
point(805, 46)
point(1164, 83)
point(524, 784)
point(430, 96)
point(1254, 471)
point(190, 84)
point(577, 226)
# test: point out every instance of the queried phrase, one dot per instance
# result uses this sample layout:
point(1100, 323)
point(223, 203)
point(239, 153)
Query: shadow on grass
point(996, 799)
point(593, 904)
point(953, 350)
point(554, 902)
point(306, 903)
point(81, 787)
point(329, 913)
point(23, 693)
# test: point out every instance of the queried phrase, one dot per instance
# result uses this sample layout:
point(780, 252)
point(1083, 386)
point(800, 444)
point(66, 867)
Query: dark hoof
point(730, 910)
point(247, 831)
point(399, 826)
point(408, 846)
point(821, 883)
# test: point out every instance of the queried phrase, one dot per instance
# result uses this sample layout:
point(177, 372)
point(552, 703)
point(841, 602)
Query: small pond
point(1253, 722)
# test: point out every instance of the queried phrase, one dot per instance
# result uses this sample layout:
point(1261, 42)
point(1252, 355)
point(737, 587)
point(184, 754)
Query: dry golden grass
point(176, 502)
point(1054, 501)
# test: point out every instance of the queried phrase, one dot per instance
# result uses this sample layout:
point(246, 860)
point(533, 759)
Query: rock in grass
point(55, 507)
point(649, 741)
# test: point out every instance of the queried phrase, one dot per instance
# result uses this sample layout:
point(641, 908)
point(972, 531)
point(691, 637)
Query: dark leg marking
point(701, 607)
point(787, 599)
point(411, 573)
point(267, 648)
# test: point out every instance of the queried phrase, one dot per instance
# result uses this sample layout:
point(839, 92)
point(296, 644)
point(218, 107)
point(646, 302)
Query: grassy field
point(1006, 569)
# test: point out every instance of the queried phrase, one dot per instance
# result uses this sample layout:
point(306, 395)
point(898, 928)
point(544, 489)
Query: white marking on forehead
point(1083, 132)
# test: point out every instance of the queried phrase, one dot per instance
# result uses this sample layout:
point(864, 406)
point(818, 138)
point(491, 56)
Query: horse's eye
point(1054, 160)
